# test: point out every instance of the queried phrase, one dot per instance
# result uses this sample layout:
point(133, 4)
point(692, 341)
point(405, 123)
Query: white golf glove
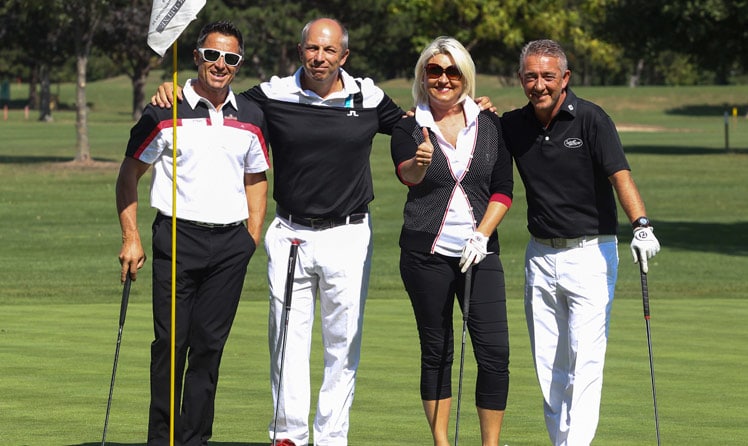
point(474, 251)
point(644, 246)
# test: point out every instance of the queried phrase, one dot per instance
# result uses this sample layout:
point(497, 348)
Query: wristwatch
point(641, 222)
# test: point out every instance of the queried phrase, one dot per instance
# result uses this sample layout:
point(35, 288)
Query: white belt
point(578, 242)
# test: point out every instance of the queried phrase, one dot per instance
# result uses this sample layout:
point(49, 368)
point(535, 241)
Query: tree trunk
point(587, 76)
point(140, 76)
point(33, 93)
point(261, 74)
point(636, 77)
point(45, 95)
point(287, 64)
point(81, 120)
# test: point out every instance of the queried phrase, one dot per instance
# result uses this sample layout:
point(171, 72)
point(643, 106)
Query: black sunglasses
point(211, 55)
point(435, 71)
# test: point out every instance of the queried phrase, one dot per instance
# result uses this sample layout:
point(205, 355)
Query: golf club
point(465, 313)
point(122, 313)
point(645, 300)
point(286, 310)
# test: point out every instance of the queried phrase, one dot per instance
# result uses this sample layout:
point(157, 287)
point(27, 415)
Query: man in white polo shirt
point(221, 183)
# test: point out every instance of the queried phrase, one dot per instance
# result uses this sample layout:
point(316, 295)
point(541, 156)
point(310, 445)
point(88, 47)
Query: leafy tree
point(714, 32)
point(378, 39)
point(271, 30)
point(494, 30)
point(13, 60)
point(124, 34)
point(51, 32)
point(486, 28)
point(82, 18)
point(711, 35)
point(38, 29)
point(636, 27)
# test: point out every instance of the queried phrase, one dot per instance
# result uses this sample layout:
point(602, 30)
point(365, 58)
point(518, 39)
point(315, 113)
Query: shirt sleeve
point(389, 115)
point(146, 142)
point(608, 146)
point(402, 145)
point(502, 177)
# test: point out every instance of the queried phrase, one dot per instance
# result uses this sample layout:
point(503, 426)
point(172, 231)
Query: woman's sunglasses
point(211, 55)
point(435, 71)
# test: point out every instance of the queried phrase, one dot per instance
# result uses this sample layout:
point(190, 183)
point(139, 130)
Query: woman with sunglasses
point(458, 171)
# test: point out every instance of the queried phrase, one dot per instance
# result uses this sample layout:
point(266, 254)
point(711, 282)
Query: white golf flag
point(168, 19)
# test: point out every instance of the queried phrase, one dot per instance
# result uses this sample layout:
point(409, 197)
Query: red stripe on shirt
point(155, 132)
point(252, 128)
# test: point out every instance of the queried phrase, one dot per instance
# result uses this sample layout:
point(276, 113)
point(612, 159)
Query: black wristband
point(641, 222)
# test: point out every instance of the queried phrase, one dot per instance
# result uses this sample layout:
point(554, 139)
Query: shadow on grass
point(17, 104)
point(680, 150)
point(24, 159)
point(705, 109)
point(723, 238)
point(21, 159)
point(210, 443)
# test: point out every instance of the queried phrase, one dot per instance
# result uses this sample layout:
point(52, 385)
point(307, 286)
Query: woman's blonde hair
point(462, 60)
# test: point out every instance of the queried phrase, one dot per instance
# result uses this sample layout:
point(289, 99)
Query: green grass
point(60, 293)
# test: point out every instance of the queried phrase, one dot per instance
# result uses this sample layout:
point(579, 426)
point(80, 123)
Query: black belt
point(204, 224)
point(321, 222)
point(578, 242)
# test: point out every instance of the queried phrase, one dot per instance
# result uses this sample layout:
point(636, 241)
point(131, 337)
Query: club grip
point(125, 299)
point(645, 294)
point(468, 291)
point(293, 253)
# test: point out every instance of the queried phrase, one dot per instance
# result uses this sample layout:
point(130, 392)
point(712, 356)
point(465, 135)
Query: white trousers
point(335, 264)
point(568, 298)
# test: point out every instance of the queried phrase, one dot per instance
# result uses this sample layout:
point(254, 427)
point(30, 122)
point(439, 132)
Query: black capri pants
point(432, 282)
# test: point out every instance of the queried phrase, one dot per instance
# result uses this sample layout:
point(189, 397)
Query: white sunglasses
point(212, 55)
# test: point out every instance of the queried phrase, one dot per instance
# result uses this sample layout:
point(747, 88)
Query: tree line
point(609, 42)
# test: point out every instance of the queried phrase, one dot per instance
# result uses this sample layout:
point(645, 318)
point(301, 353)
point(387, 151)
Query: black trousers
point(432, 282)
point(210, 268)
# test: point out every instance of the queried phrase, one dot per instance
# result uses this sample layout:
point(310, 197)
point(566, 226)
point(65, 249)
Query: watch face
point(642, 221)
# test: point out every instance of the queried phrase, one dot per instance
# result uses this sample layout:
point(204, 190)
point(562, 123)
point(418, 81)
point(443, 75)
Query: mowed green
point(60, 291)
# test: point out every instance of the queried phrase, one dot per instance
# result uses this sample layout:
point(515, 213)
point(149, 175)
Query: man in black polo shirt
point(570, 158)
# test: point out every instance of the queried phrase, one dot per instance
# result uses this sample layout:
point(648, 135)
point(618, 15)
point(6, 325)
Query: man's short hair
point(222, 27)
point(543, 47)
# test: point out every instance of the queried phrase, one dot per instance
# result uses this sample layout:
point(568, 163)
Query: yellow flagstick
point(168, 19)
point(173, 245)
